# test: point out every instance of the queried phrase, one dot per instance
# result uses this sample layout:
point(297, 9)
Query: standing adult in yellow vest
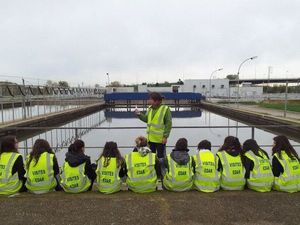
point(142, 168)
point(159, 124)
point(110, 169)
point(206, 176)
point(42, 169)
point(285, 166)
point(258, 168)
point(78, 173)
point(179, 168)
point(12, 170)
point(230, 165)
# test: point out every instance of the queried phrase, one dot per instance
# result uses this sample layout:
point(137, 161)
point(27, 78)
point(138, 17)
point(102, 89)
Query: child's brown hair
point(141, 142)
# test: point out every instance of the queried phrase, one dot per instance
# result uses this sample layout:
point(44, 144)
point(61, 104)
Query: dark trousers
point(158, 148)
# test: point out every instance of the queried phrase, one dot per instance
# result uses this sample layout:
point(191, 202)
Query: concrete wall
point(248, 92)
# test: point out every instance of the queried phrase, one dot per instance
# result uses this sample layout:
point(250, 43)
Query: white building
point(220, 88)
point(145, 88)
point(214, 88)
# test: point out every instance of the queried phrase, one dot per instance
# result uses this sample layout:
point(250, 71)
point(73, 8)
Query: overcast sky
point(147, 40)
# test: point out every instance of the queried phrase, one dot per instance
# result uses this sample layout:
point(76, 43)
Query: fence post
point(252, 132)
point(13, 110)
point(76, 133)
point(285, 99)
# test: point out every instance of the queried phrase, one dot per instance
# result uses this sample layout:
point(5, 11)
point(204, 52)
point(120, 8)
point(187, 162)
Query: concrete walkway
point(161, 207)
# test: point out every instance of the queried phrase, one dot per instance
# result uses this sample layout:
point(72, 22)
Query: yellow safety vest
point(155, 124)
point(40, 175)
point(179, 177)
point(9, 183)
point(108, 180)
point(207, 177)
point(233, 172)
point(289, 180)
point(141, 174)
point(261, 177)
point(73, 179)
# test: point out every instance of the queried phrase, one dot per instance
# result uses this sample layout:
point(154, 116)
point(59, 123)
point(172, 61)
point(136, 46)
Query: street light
point(108, 81)
point(238, 77)
point(210, 81)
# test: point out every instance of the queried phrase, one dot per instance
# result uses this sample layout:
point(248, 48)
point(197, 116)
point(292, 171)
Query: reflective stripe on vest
point(40, 175)
point(261, 177)
point(155, 124)
point(73, 179)
point(233, 173)
point(9, 183)
point(206, 178)
point(179, 177)
point(141, 174)
point(289, 180)
point(108, 179)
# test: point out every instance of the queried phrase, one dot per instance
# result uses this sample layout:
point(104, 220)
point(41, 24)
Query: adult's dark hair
point(8, 144)
point(78, 145)
point(181, 144)
point(111, 150)
point(251, 145)
point(40, 146)
point(155, 96)
point(283, 144)
point(231, 143)
point(205, 144)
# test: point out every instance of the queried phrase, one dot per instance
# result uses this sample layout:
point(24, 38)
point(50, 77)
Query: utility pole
point(108, 80)
point(23, 100)
point(285, 99)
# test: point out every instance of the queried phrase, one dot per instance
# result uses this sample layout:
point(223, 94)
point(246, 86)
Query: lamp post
point(238, 77)
point(108, 80)
point(210, 81)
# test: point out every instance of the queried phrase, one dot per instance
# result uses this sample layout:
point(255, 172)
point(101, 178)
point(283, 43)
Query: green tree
point(115, 84)
point(63, 84)
point(232, 76)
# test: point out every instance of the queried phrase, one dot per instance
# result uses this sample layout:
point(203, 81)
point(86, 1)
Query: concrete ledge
point(48, 120)
point(255, 118)
point(237, 207)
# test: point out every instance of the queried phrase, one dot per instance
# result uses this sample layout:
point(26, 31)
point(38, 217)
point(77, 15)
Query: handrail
point(136, 127)
point(167, 146)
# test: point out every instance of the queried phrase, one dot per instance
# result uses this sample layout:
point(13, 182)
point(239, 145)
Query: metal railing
point(21, 102)
point(71, 133)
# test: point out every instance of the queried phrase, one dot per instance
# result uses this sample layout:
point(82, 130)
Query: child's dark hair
point(71, 148)
point(78, 146)
point(111, 150)
point(181, 144)
point(40, 146)
point(205, 144)
point(231, 143)
point(8, 144)
point(283, 144)
point(251, 145)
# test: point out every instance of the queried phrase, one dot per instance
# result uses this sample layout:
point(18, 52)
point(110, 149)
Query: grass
point(241, 102)
point(291, 106)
